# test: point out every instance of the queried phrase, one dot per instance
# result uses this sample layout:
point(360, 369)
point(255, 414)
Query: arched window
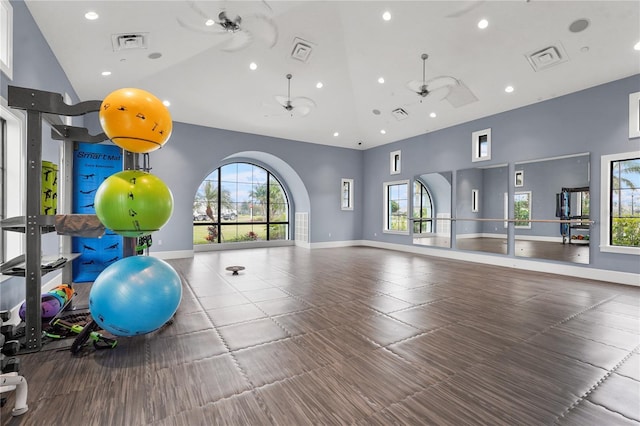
point(422, 209)
point(240, 202)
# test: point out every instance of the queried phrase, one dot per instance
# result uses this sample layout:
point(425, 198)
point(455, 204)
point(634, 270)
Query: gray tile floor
point(357, 336)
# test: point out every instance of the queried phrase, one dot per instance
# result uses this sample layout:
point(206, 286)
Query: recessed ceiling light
point(381, 80)
point(105, 73)
point(209, 22)
point(336, 134)
point(319, 85)
point(584, 49)
point(483, 23)
point(508, 89)
point(92, 16)
point(386, 15)
point(166, 103)
point(383, 131)
point(637, 46)
point(155, 55)
point(253, 66)
point(433, 115)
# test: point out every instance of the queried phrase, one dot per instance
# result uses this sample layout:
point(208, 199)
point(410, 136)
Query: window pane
point(245, 195)
point(625, 203)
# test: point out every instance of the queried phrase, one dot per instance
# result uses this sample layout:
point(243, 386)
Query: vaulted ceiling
point(542, 49)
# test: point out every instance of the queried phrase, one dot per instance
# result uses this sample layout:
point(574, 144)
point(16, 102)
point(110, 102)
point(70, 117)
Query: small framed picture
point(519, 181)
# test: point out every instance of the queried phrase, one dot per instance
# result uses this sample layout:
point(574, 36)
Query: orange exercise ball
point(135, 120)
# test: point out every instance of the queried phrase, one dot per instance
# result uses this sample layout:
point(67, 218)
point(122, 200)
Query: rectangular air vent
point(301, 50)
point(548, 57)
point(129, 41)
point(400, 114)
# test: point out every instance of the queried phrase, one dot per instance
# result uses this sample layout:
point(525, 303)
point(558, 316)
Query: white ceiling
point(353, 47)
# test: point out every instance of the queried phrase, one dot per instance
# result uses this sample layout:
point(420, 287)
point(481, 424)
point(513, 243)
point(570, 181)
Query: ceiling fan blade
point(416, 86)
point(460, 95)
point(466, 9)
point(282, 100)
point(236, 41)
point(441, 81)
point(213, 30)
point(302, 106)
point(193, 5)
point(262, 27)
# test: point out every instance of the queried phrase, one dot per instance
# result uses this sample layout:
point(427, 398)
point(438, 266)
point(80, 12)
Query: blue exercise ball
point(135, 295)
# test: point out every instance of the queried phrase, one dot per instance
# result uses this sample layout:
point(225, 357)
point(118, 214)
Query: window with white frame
point(396, 205)
point(481, 145)
point(620, 203)
point(522, 209)
point(6, 38)
point(12, 189)
point(346, 194)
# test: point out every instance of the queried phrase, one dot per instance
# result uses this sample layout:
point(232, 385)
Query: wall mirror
point(431, 209)
point(553, 189)
point(481, 209)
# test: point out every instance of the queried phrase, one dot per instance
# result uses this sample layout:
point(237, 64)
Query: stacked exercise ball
point(135, 295)
point(135, 120)
point(133, 203)
point(51, 303)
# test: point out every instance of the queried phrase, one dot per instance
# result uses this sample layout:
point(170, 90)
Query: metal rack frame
point(40, 105)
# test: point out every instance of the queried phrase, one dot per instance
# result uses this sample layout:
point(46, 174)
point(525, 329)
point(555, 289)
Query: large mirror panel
point(546, 191)
point(481, 208)
point(431, 209)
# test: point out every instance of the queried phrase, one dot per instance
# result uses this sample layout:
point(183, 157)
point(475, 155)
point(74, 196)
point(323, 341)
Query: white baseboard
point(178, 254)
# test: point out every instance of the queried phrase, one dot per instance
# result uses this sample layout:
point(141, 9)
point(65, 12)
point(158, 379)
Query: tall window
point(422, 209)
point(396, 196)
point(625, 203)
point(240, 202)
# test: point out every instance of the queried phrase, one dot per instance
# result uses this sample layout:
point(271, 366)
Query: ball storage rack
point(50, 107)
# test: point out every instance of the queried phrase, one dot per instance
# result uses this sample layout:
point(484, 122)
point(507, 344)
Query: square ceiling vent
point(301, 50)
point(400, 114)
point(129, 41)
point(548, 57)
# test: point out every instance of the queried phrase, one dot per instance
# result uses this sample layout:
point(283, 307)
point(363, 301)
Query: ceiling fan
point(300, 105)
point(455, 91)
point(238, 30)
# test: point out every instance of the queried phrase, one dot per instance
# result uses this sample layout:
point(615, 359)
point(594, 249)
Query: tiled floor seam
point(236, 363)
point(595, 386)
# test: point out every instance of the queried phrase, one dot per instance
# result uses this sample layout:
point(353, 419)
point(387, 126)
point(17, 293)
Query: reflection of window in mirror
point(396, 202)
point(346, 190)
point(474, 201)
point(620, 203)
point(422, 209)
point(522, 209)
point(519, 181)
point(395, 162)
point(481, 145)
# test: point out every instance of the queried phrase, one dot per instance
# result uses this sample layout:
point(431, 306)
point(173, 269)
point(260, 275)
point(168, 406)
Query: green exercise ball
point(133, 203)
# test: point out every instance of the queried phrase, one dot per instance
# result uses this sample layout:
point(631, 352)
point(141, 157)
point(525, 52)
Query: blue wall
point(594, 120)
